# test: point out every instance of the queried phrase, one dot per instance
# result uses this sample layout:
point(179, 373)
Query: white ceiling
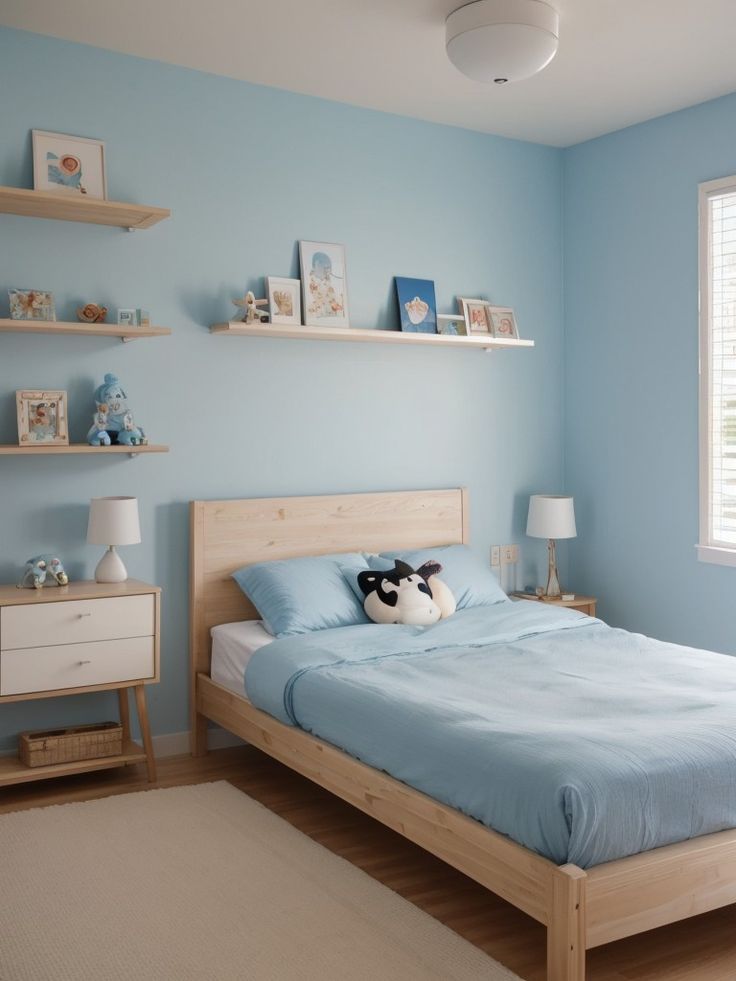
point(619, 61)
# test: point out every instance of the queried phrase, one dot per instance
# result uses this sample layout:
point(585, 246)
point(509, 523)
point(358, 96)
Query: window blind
point(719, 348)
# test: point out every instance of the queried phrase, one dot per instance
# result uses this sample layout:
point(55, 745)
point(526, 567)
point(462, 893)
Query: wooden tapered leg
point(198, 735)
point(566, 926)
point(140, 702)
point(124, 713)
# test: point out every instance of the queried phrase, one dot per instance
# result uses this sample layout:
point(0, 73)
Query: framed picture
point(324, 284)
point(284, 300)
point(417, 305)
point(475, 314)
point(453, 326)
point(32, 305)
point(503, 322)
point(68, 164)
point(42, 418)
point(127, 317)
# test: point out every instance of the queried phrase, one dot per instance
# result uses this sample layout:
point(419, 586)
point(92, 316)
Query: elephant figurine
point(39, 568)
point(130, 434)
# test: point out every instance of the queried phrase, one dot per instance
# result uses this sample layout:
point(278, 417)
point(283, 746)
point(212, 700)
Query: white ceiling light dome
point(502, 40)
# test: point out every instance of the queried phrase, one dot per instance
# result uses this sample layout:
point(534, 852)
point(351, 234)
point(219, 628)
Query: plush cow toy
point(402, 595)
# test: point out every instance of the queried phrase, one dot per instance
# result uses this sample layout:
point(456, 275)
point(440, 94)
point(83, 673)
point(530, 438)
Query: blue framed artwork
point(417, 305)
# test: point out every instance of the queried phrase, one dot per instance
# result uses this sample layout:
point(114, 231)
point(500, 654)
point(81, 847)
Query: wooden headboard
point(226, 535)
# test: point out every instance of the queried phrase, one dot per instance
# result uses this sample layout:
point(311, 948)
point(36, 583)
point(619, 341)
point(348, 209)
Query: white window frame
point(707, 549)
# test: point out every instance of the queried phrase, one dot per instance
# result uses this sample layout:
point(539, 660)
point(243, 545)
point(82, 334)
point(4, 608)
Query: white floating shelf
point(476, 341)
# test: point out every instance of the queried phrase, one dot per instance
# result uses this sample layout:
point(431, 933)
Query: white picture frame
point(42, 418)
point(503, 322)
point(127, 317)
point(324, 284)
point(284, 301)
point(476, 315)
point(70, 165)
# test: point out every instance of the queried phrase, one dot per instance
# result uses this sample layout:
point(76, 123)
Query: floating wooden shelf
point(13, 771)
point(70, 327)
point(12, 449)
point(72, 207)
point(375, 336)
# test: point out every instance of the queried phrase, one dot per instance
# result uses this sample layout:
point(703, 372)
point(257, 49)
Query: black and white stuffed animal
point(402, 595)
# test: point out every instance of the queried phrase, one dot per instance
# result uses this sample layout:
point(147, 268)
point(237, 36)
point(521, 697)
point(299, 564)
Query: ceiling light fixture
point(502, 40)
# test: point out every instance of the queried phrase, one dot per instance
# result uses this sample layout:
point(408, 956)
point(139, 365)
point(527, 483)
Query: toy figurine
point(92, 313)
point(250, 304)
point(97, 436)
point(112, 406)
point(130, 435)
point(38, 568)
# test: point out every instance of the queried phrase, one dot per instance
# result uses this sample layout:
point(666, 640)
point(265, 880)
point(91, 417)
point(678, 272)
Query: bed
point(581, 908)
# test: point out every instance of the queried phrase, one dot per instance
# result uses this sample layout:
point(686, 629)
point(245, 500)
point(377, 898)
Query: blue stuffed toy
point(113, 419)
point(38, 568)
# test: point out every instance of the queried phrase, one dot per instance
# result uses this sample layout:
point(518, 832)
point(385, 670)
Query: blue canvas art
point(417, 305)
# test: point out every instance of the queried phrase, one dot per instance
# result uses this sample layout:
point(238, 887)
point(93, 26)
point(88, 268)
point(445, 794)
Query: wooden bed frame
point(580, 909)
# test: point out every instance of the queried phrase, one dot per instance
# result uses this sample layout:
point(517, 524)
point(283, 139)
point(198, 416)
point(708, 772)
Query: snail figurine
point(92, 313)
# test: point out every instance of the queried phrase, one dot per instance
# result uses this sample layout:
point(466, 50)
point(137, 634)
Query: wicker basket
point(67, 745)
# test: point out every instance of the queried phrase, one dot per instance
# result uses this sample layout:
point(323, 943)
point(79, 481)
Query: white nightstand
point(84, 637)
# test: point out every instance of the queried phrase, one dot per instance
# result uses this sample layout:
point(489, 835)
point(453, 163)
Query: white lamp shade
point(502, 40)
point(113, 521)
point(551, 516)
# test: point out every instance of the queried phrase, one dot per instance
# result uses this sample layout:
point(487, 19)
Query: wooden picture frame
point(42, 418)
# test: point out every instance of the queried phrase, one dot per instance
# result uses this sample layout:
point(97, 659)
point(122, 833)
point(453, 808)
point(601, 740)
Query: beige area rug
point(203, 883)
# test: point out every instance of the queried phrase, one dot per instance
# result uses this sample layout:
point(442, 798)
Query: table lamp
point(113, 521)
point(551, 516)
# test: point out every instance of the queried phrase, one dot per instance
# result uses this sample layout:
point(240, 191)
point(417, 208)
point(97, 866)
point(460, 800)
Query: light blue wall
point(247, 171)
point(631, 361)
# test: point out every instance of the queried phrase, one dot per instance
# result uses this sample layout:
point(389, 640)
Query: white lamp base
point(110, 567)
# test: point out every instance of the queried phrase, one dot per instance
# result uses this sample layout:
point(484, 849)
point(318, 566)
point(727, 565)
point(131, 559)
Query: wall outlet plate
point(509, 554)
point(495, 555)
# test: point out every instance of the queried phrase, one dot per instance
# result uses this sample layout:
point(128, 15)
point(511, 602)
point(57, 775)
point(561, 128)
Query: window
point(718, 371)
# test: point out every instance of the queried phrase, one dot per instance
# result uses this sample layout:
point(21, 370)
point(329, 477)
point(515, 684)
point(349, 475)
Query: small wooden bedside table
point(84, 637)
point(586, 604)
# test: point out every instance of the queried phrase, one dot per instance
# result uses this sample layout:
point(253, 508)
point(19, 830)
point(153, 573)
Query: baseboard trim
point(177, 743)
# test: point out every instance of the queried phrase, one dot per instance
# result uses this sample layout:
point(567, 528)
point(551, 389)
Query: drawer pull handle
point(80, 663)
point(81, 616)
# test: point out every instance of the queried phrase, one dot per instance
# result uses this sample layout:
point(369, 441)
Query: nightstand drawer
point(76, 665)
point(76, 621)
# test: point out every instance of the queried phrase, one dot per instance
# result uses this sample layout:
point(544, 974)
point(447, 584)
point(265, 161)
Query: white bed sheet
point(233, 645)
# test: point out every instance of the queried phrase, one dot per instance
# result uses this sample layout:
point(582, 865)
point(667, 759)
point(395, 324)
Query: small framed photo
point(42, 418)
point(417, 305)
point(475, 313)
point(452, 326)
point(284, 301)
point(503, 322)
point(127, 318)
point(68, 164)
point(324, 284)
point(32, 305)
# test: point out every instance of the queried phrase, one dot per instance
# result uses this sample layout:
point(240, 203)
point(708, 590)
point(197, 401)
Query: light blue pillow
point(295, 596)
point(469, 579)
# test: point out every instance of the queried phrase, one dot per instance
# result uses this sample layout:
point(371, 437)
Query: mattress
point(233, 645)
point(582, 742)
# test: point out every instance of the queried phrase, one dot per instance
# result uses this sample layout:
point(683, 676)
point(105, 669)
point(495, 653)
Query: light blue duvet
point(579, 741)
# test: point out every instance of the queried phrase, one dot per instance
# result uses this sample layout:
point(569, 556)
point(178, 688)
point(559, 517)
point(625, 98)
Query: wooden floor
point(700, 949)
